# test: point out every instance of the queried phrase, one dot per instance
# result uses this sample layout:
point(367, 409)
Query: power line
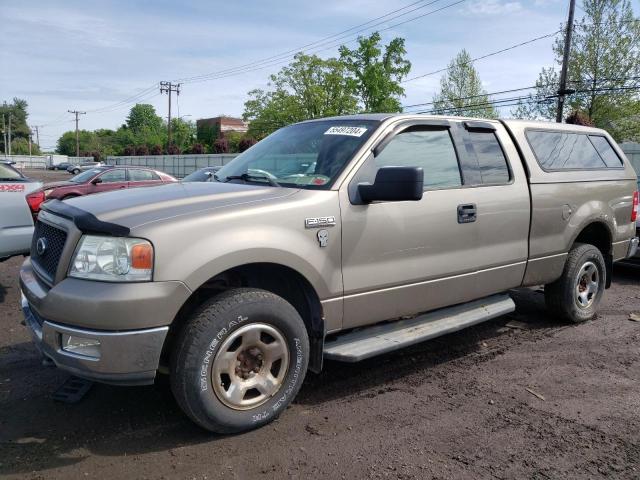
point(313, 45)
point(255, 67)
point(521, 44)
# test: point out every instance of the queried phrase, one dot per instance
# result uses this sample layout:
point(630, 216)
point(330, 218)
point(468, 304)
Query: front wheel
point(239, 361)
point(576, 294)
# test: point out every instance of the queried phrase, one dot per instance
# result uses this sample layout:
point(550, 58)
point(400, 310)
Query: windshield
point(7, 172)
point(307, 155)
point(203, 175)
point(86, 176)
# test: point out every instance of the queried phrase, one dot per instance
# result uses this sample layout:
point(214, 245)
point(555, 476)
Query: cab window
point(491, 160)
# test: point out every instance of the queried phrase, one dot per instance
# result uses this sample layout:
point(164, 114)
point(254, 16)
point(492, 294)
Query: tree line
point(603, 74)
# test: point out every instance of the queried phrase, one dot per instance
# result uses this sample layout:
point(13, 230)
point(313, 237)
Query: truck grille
point(54, 239)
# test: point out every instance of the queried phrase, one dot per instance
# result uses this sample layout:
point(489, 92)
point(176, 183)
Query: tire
point(575, 296)
point(75, 171)
point(228, 339)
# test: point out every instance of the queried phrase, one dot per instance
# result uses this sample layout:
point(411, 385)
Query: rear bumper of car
point(122, 358)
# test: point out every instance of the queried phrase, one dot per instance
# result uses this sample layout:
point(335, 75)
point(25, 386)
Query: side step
point(369, 342)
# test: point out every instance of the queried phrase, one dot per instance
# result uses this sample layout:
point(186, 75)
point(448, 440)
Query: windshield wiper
point(249, 176)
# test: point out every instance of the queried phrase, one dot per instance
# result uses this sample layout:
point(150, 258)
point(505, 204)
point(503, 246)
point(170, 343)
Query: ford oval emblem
point(41, 246)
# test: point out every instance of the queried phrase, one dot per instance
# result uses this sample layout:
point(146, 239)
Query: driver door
point(110, 180)
point(406, 257)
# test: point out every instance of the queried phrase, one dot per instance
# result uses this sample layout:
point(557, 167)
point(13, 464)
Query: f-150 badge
point(320, 222)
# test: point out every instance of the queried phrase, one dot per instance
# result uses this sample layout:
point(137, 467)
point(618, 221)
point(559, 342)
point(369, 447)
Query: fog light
point(88, 347)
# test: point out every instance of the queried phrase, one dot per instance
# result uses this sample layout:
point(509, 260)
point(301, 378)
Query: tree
point(309, 87)
point(197, 149)
point(142, 150)
point(376, 76)
point(221, 145)
point(142, 117)
point(577, 117)
point(17, 111)
point(246, 143)
point(603, 64)
point(156, 150)
point(461, 91)
point(183, 133)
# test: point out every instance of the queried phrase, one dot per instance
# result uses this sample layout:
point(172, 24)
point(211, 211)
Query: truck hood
point(139, 206)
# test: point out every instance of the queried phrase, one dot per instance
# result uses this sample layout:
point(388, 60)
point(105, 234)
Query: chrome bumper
point(122, 358)
point(633, 247)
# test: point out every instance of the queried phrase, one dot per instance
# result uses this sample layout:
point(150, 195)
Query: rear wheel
point(576, 294)
point(75, 171)
point(239, 361)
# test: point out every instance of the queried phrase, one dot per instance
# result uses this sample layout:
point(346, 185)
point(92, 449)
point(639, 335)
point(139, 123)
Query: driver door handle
point(467, 213)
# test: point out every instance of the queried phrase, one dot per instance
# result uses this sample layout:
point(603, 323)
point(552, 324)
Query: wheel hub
point(250, 362)
point(250, 366)
point(587, 285)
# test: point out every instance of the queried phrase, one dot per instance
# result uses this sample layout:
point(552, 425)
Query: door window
point(432, 150)
point(136, 175)
point(114, 176)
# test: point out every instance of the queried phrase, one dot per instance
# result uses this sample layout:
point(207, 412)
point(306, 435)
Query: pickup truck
point(340, 239)
point(16, 219)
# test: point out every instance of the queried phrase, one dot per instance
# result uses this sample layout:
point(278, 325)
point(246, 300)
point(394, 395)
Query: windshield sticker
point(350, 131)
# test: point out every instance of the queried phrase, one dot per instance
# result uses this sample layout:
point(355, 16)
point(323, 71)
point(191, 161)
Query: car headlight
point(113, 259)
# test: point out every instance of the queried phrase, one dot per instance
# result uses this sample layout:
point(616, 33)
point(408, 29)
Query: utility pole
point(562, 91)
point(4, 134)
point(9, 134)
point(76, 113)
point(36, 128)
point(168, 87)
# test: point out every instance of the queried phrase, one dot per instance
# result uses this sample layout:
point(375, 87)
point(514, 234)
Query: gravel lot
point(535, 399)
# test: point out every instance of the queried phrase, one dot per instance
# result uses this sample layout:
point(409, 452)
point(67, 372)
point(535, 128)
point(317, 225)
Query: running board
point(371, 341)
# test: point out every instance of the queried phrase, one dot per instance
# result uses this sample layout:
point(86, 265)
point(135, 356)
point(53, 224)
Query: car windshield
point(85, 176)
point(7, 172)
point(306, 155)
point(203, 175)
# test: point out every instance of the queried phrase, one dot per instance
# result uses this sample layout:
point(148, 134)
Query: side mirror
point(394, 184)
point(96, 181)
point(209, 175)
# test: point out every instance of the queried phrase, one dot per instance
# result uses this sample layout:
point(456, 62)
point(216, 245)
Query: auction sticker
point(11, 187)
point(350, 131)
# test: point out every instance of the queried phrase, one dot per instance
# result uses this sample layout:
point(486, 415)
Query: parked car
point(82, 167)
point(60, 166)
point(99, 179)
point(16, 220)
point(205, 174)
point(408, 227)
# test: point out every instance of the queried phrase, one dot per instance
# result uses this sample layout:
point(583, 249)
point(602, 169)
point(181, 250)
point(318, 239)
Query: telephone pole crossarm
point(168, 88)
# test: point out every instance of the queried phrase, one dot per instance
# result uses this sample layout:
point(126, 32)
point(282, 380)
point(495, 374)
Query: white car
point(16, 217)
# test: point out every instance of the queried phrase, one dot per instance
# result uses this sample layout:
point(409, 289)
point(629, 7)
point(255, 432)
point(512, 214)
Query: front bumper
point(123, 358)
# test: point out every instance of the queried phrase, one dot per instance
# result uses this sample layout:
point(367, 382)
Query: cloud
point(494, 7)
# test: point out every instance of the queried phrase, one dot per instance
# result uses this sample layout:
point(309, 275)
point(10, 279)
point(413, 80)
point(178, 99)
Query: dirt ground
point(535, 399)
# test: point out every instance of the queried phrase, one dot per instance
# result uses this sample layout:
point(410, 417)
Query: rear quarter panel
point(16, 221)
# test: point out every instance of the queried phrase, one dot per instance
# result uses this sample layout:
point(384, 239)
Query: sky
point(102, 57)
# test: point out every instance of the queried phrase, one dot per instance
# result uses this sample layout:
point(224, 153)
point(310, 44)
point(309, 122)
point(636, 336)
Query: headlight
point(113, 259)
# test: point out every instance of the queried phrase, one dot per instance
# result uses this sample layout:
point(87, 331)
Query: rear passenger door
point(465, 239)
point(139, 177)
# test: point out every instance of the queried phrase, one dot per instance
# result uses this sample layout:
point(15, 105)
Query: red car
point(98, 179)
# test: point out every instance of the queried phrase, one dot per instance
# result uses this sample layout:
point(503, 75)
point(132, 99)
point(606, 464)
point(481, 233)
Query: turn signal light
point(634, 212)
point(34, 200)
point(142, 256)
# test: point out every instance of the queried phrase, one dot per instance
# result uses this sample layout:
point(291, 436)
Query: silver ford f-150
point(340, 239)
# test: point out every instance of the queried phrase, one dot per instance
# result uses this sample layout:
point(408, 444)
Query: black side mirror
point(394, 184)
point(96, 181)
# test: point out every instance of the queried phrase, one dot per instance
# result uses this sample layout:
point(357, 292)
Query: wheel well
point(278, 279)
point(598, 235)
